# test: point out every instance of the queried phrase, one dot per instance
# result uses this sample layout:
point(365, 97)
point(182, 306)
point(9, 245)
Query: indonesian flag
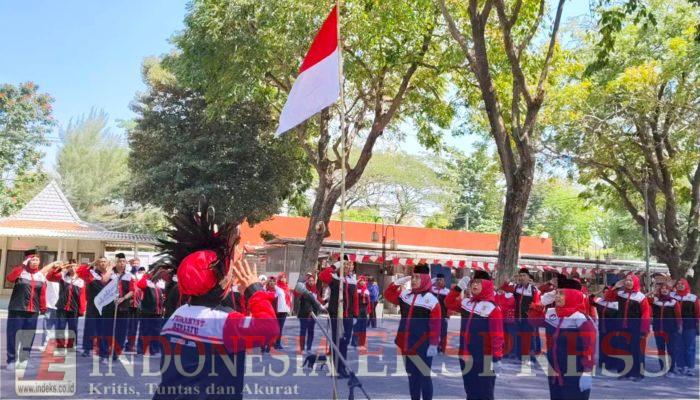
point(318, 83)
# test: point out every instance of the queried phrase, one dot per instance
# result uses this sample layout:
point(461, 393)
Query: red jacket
point(243, 332)
point(488, 334)
point(421, 316)
point(29, 290)
point(71, 295)
point(506, 302)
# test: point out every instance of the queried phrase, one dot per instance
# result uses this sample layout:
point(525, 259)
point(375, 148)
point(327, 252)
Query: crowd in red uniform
point(496, 323)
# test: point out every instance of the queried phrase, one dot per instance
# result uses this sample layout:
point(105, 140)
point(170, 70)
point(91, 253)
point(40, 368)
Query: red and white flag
point(318, 83)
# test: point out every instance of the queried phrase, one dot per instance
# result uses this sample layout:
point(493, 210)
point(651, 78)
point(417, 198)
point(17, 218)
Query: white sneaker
point(10, 366)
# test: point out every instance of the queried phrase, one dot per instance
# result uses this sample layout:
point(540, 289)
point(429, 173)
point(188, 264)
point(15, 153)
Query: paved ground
point(280, 375)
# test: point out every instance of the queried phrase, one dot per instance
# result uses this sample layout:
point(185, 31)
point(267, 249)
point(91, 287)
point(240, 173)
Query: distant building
point(50, 224)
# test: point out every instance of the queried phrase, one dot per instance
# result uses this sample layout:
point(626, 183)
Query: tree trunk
point(322, 210)
point(517, 196)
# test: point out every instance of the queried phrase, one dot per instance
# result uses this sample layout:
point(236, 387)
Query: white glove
point(403, 280)
point(464, 283)
point(548, 298)
point(432, 351)
point(496, 367)
point(585, 382)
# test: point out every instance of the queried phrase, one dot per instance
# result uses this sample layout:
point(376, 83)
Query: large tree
point(241, 49)
point(510, 74)
point(180, 150)
point(401, 187)
point(632, 129)
point(92, 164)
point(25, 120)
point(475, 190)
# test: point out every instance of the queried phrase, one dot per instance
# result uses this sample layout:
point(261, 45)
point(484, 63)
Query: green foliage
point(92, 164)
point(25, 119)
point(476, 191)
point(614, 15)
point(556, 208)
point(635, 120)
point(180, 152)
point(93, 169)
point(362, 215)
point(402, 187)
point(24, 187)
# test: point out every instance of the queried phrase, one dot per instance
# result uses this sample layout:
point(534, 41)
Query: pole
point(646, 231)
point(353, 382)
point(343, 139)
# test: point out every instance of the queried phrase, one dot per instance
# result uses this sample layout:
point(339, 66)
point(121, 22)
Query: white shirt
point(52, 289)
point(282, 306)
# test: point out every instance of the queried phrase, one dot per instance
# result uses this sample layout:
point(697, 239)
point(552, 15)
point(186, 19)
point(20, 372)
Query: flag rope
point(343, 144)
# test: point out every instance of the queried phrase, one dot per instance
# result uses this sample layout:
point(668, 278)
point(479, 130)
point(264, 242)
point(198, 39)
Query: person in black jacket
point(70, 304)
point(96, 279)
point(28, 299)
point(441, 292)
point(306, 322)
point(152, 310)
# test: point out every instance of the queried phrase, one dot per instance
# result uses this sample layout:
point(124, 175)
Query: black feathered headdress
point(199, 229)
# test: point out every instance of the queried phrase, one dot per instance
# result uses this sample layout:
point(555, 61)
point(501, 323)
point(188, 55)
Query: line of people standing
point(65, 291)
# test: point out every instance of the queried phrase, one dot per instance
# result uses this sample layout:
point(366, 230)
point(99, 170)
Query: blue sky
point(88, 53)
point(85, 53)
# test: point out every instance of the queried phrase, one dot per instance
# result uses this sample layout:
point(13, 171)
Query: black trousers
point(443, 334)
point(90, 331)
point(373, 315)
point(306, 333)
point(342, 344)
point(66, 319)
point(132, 327)
point(633, 347)
point(21, 328)
point(568, 390)
point(475, 386)
point(419, 381)
point(149, 339)
point(348, 324)
point(281, 318)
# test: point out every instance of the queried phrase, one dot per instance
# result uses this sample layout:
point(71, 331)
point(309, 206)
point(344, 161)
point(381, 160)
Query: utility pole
point(646, 230)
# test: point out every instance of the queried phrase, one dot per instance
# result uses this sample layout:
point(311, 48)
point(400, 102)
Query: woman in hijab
point(690, 313)
point(306, 322)
point(418, 335)
point(567, 325)
point(666, 321)
point(480, 337)
point(635, 318)
point(609, 339)
point(364, 308)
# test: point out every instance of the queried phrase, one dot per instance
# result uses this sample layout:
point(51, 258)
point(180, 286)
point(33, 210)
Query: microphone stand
point(353, 381)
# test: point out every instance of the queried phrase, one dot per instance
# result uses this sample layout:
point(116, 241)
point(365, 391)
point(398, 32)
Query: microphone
point(301, 288)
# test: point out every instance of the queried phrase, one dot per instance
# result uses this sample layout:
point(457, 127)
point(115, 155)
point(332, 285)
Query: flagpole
point(343, 138)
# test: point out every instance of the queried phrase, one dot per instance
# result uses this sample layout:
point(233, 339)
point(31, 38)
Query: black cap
point(31, 252)
point(567, 283)
point(479, 274)
point(526, 271)
point(142, 269)
point(119, 255)
point(421, 268)
point(440, 276)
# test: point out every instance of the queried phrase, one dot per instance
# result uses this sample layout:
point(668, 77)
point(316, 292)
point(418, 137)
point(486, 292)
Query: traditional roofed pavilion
point(50, 224)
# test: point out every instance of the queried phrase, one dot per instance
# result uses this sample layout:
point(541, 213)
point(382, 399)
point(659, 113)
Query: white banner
point(107, 295)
